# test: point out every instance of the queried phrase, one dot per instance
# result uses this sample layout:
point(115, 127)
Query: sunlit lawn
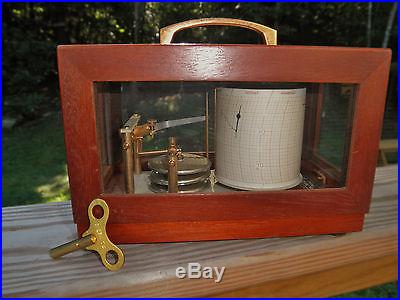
point(34, 167)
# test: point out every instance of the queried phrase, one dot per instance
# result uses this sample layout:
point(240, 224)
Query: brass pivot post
point(96, 239)
point(132, 139)
point(128, 151)
point(173, 154)
point(137, 148)
point(140, 131)
point(127, 155)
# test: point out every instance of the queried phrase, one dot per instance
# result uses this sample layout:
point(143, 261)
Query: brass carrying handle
point(167, 33)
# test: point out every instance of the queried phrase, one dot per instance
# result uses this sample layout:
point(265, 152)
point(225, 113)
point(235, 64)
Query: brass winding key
point(96, 239)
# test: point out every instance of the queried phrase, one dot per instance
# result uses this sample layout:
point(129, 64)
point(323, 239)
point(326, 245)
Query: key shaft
point(72, 246)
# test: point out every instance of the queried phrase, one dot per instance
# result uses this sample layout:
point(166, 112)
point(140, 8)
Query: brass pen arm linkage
point(132, 139)
point(132, 135)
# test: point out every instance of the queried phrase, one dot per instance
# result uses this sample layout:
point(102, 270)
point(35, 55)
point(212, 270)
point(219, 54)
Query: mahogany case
point(138, 218)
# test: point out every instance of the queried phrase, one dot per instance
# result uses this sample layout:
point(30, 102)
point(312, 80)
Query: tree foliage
point(32, 31)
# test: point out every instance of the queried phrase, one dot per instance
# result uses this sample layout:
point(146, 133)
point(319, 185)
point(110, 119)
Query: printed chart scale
point(259, 137)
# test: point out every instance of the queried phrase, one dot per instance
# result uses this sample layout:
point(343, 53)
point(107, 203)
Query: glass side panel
point(335, 124)
point(227, 136)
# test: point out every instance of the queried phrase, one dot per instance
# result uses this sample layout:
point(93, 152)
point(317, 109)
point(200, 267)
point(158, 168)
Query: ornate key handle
point(103, 245)
point(95, 239)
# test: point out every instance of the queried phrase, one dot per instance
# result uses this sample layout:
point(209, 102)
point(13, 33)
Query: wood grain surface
point(29, 231)
point(80, 66)
point(342, 279)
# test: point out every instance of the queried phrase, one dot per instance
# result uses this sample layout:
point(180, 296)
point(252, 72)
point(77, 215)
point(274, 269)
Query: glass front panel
point(211, 137)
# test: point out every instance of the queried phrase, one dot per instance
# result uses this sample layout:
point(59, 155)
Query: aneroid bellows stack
point(193, 173)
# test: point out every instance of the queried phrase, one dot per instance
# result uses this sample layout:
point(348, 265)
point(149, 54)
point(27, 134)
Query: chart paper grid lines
point(259, 136)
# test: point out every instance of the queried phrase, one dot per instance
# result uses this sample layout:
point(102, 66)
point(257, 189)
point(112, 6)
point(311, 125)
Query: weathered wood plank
point(326, 283)
point(29, 231)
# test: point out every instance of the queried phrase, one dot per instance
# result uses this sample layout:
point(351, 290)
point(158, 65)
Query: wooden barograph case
point(189, 142)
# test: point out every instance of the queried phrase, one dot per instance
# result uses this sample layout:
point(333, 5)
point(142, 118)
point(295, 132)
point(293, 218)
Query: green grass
point(388, 290)
point(34, 171)
point(34, 166)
